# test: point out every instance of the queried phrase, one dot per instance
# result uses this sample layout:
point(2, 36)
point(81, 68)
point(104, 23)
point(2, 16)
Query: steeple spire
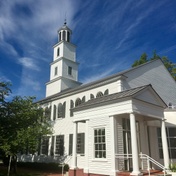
point(65, 23)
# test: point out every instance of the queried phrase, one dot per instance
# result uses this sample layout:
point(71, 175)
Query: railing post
point(142, 164)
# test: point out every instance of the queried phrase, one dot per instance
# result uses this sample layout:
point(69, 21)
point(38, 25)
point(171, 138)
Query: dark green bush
point(43, 166)
point(172, 167)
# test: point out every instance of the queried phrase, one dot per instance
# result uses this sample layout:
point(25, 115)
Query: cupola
point(64, 33)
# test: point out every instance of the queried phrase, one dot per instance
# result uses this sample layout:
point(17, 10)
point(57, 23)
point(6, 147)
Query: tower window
point(58, 51)
point(59, 36)
point(69, 70)
point(68, 36)
point(55, 71)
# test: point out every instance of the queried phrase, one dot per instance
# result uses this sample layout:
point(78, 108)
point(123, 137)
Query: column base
point(136, 173)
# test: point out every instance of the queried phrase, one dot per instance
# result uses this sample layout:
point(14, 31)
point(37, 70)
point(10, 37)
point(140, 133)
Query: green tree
point(22, 124)
point(142, 60)
point(171, 67)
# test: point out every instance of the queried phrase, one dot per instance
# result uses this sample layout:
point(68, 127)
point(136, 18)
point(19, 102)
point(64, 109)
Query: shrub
point(172, 167)
point(43, 166)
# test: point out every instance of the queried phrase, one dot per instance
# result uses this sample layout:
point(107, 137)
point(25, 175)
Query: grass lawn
point(27, 172)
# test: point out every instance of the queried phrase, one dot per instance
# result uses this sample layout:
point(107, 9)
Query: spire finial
point(65, 19)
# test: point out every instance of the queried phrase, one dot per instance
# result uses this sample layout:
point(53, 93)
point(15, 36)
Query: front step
point(145, 173)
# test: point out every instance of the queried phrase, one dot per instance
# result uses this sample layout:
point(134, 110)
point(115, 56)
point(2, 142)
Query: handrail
point(66, 160)
point(149, 159)
point(143, 156)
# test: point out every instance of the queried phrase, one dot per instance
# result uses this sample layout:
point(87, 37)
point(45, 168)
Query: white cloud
point(28, 63)
point(166, 50)
point(99, 75)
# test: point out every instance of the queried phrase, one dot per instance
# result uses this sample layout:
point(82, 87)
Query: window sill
point(99, 160)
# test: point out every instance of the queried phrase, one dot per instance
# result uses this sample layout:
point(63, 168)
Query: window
point(77, 102)
point(68, 36)
point(99, 143)
point(44, 146)
point(70, 143)
point(58, 51)
point(59, 145)
point(61, 110)
point(171, 138)
point(92, 96)
point(69, 70)
point(99, 94)
point(106, 92)
point(71, 106)
point(54, 113)
point(55, 71)
point(48, 112)
point(59, 36)
point(52, 146)
point(83, 99)
point(80, 143)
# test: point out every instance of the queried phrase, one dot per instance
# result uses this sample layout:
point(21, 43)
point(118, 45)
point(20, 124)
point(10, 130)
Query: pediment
point(150, 96)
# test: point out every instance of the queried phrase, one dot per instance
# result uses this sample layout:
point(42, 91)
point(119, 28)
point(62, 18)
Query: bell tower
point(64, 68)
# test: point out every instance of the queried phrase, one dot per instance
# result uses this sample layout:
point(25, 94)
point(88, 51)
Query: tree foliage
point(22, 124)
point(171, 67)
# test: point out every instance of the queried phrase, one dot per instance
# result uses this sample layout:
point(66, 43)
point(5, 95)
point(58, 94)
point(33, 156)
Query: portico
point(123, 120)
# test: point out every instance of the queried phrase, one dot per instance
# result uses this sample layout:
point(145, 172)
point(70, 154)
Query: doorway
point(127, 142)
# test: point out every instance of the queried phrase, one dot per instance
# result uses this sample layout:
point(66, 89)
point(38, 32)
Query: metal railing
point(66, 159)
point(143, 157)
point(149, 159)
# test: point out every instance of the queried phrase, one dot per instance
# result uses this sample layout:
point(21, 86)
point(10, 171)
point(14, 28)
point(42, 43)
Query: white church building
point(124, 122)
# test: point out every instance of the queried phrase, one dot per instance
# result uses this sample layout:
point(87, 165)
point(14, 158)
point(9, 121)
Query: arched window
point(71, 106)
point(68, 36)
point(48, 112)
point(106, 92)
point(99, 94)
point(92, 96)
point(83, 99)
point(61, 110)
point(58, 51)
point(59, 36)
point(54, 113)
point(77, 102)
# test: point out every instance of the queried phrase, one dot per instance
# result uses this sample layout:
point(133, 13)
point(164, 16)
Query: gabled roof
point(93, 84)
point(120, 96)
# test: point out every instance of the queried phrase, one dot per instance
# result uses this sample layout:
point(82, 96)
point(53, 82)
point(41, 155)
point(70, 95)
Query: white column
point(165, 145)
point(112, 134)
point(49, 147)
point(74, 156)
point(134, 145)
point(86, 168)
point(52, 111)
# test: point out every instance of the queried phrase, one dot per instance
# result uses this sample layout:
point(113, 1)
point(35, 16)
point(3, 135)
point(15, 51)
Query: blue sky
point(109, 34)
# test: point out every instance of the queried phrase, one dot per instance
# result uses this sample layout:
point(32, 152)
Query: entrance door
point(127, 142)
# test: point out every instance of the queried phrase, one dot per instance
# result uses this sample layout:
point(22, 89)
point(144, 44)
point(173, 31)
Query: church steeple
point(64, 68)
point(64, 33)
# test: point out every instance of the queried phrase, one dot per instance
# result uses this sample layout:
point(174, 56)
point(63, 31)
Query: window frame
point(170, 147)
point(70, 70)
point(55, 71)
point(102, 145)
point(80, 144)
point(58, 151)
point(45, 145)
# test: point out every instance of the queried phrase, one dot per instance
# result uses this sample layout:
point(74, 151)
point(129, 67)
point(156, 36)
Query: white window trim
point(94, 128)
